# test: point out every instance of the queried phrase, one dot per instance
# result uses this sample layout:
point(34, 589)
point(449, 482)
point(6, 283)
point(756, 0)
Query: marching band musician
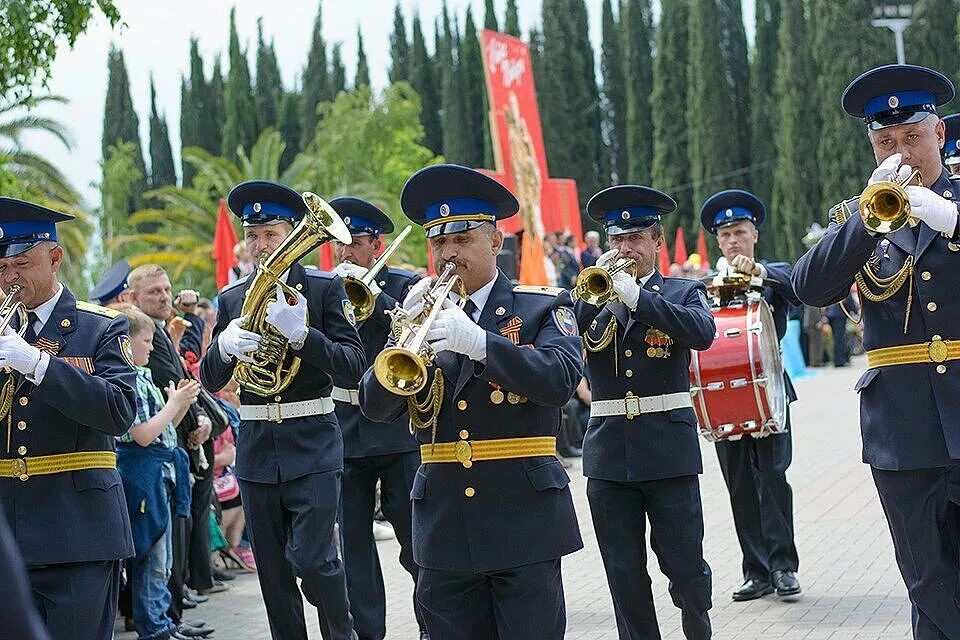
point(951, 144)
point(492, 512)
point(754, 469)
point(290, 450)
point(372, 452)
point(70, 391)
point(641, 453)
point(906, 277)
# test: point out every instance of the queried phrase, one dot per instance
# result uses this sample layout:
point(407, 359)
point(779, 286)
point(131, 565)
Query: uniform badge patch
point(511, 330)
point(126, 350)
point(348, 311)
point(565, 320)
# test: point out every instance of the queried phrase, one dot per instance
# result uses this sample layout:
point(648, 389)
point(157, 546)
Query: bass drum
point(737, 384)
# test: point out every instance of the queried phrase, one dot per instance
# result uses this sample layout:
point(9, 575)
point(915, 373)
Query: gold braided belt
point(23, 468)
point(466, 452)
point(936, 350)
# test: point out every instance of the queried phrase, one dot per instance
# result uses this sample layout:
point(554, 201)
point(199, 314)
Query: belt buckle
point(270, 417)
point(631, 405)
point(938, 350)
point(19, 468)
point(463, 451)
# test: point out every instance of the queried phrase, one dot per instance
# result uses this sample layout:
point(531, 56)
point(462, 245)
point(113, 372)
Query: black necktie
point(30, 335)
point(470, 307)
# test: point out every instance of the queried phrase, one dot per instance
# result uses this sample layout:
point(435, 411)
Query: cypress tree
point(931, 39)
point(338, 72)
point(762, 111)
point(215, 109)
point(399, 49)
point(594, 164)
point(671, 168)
point(289, 127)
point(362, 78)
point(471, 71)
point(637, 26)
point(316, 82)
point(844, 42)
point(423, 79)
point(240, 126)
point(120, 121)
point(713, 158)
point(193, 98)
point(490, 16)
point(795, 199)
point(511, 25)
point(554, 83)
point(454, 144)
point(733, 44)
point(269, 85)
point(162, 170)
point(535, 45)
point(614, 92)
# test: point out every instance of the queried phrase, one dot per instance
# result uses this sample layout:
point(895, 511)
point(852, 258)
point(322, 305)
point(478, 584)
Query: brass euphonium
point(885, 206)
point(358, 289)
point(595, 284)
point(274, 367)
point(402, 368)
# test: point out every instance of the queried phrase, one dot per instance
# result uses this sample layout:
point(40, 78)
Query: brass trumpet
point(12, 308)
point(595, 284)
point(885, 206)
point(402, 369)
point(358, 289)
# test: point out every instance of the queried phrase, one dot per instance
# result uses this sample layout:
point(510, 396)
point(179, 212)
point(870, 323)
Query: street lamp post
point(896, 17)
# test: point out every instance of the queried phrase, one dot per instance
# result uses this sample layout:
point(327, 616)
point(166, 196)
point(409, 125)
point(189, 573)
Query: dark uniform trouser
point(77, 601)
point(755, 471)
point(291, 529)
point(522, 603)
point(360, 559)
point(923, 512)
point(201, 569)
point(672, 505)
point(838, 327)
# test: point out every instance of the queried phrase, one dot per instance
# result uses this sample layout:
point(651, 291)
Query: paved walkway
point(852, 589)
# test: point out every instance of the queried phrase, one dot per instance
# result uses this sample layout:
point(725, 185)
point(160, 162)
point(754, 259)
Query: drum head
point(765, 331)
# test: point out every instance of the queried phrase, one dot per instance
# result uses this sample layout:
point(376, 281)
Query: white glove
point(413, 303)
point(18, 354)
point(939, 213)
point(345, 269)
point(890, 170)
point(627, 288)
point(289, 320)
point(237, 342)
point(606, 259)
point(454, 331)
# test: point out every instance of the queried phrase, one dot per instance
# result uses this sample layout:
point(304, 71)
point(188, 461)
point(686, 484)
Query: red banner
point(546, 204)
point(224, 240)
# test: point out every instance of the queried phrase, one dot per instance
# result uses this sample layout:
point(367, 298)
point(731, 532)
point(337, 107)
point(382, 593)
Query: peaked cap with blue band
point(449, 198)
point(628, 208)
point(362, 217)
point(113, 283)
point(730, 206)
point(896, 94)
point(23, 225)
point(951, 144)
point(259, 202)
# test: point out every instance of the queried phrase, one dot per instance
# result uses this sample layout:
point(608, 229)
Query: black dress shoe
point(187, 603)
point(221, 575)
point(786, 584)
point(751, 589)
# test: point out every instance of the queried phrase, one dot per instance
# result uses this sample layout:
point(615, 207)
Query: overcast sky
point(155, 39)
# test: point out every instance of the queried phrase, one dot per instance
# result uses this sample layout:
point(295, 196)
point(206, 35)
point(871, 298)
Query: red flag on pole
point(224, 240)
point(680, 248)
point(702, 250)
point(326, 257)
point(664, 259)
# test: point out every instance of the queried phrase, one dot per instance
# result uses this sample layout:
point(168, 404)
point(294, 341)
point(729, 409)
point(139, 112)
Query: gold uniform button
point(462, 405)
point(469, 492)
point(23, 401)
point(276, 398)
point(464, 434)
point(953, 246)
point(628, 353)
point(22, 450)
point(941, 368)
point(24, 477)
point(936, 337)
point(65, 323)
point(931, 306)
point(22, 425)
point(629, 373)
point(925, 275)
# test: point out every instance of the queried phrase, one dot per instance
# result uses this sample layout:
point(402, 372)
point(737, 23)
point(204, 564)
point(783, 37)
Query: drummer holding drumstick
point(754, 469)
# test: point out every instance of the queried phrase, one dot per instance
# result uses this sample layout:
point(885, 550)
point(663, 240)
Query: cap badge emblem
point(257, 207)
point(444, 210)
point(893, 101)
point(625, 215)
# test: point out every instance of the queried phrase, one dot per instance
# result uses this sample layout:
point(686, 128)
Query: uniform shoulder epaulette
point(401, 273)
point(317, 272)
point(234, 284)
point(89, 307)
point(538, 289)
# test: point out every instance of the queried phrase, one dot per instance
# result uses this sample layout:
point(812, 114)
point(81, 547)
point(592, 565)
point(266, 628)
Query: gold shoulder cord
point(430, 406)
point(887, 287)
point(593, 345)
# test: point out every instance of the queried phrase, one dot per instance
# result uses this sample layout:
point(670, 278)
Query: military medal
point(513, 398)
point(659, 343)
point(511, 330)
point(496, 396)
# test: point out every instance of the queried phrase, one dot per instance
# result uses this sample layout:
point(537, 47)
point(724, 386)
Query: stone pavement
point(852, 589)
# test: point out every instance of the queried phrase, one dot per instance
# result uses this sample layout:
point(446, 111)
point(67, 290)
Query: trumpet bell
point(885, 206)
point(400, 371)
point(361, 297)
point(594, 286)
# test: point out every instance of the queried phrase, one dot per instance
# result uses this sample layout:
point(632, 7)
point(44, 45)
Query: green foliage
point(637, 27)
point(316, 81)
point(511, 24)
point(931, 38)
point(614, 96)
point(733, 44)
point(162, 169)
point(269, 90)
point(121, 177)
point(240, 125)
point(400, 60)
point(362, 78)
point(120, 121)
point(474, 91)
point(423, 79)
point(31, 33)
point(455, 146)
point(289, 127)
point(490, 16)
point(762, 69)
